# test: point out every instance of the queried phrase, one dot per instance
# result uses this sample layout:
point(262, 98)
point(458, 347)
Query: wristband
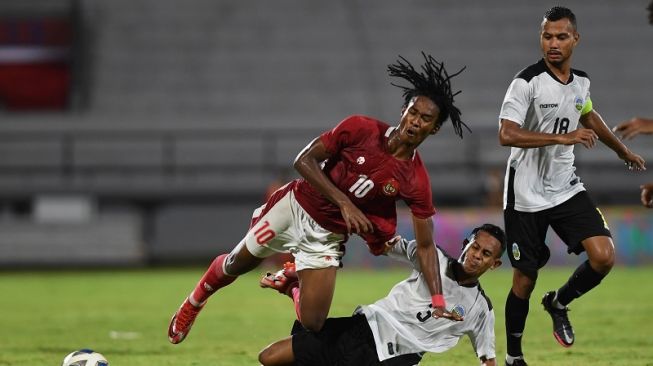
point(438, 301)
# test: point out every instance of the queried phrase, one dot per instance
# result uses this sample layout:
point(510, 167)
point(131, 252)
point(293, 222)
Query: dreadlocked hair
point(433, 82)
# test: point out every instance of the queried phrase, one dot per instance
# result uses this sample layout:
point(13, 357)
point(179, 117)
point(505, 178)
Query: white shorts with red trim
point(286, 227)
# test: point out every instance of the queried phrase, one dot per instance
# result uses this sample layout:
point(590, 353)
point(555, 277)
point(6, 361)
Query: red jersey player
point(352, 176)
point(361, 167)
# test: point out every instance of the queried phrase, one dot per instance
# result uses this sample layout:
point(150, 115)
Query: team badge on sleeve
point(391, 187)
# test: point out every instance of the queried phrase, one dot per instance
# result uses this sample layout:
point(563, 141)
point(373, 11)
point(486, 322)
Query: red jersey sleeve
point(419, 197)
point(346, 133)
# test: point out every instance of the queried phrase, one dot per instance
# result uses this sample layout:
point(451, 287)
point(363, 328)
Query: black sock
point(582, 280)
point(516, 313)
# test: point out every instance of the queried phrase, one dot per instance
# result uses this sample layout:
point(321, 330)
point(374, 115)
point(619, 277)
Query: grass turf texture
point(124, 315)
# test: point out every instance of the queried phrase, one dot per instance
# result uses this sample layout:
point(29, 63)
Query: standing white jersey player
point(546, 111)
point(543, 177)
point(399, 328)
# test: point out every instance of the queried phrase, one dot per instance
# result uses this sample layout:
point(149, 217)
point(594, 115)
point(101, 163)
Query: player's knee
point(523, 284)
point(265, 356)
point(600, 252)
point(523, 291)
point(313, 324)
point(312, 319)
point(277, 354)
point(240, 261)
point(603, 261)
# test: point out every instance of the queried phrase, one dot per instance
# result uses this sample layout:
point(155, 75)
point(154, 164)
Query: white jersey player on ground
point(399, 328)
point(546, 111)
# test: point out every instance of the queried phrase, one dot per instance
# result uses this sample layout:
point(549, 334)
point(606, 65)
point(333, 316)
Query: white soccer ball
point(85, 357)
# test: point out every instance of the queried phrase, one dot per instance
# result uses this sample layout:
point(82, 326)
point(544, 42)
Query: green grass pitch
point(124, 315)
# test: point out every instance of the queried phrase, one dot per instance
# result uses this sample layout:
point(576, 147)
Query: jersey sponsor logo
point(548, 105)
point(360, 160)
point(459, 309)
point(391, 187)
point(579, 103)
point(516, 254)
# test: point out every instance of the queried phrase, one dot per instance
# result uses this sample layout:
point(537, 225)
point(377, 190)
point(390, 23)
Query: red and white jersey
point(372, 178)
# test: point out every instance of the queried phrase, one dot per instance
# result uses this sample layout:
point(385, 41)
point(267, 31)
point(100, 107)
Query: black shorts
point(574, 220)
point(342, 342)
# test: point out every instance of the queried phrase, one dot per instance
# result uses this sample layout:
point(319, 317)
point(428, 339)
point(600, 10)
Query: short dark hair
point(560, 12)
point(650, 12)
point(433, 82)
point(496, 232)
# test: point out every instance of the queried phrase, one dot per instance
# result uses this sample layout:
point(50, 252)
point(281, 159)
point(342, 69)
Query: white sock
point(510, 359)
point(194, 302)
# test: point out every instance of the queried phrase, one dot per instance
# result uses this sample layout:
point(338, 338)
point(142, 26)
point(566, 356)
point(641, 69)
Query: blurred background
point(145, 132)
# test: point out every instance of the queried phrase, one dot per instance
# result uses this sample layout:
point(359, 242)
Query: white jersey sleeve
point(405, 251)
point(516, 102)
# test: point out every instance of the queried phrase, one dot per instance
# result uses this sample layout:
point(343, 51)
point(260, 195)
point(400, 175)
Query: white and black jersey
point(402, 322)
point(540, 178)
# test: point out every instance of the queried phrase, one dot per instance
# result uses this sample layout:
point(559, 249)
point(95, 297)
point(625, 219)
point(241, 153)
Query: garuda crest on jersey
point(390, 187)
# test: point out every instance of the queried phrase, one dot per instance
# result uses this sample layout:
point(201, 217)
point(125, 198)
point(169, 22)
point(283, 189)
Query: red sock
point(294, 292)
point(213, 280)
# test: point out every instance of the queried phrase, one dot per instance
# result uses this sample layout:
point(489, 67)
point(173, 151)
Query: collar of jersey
point(548, 71)
point(452, 264)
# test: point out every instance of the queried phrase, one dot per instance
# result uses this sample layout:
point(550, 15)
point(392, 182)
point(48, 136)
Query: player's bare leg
point(222, 272)
point(316, 287)
point(313, 301)
point(601, 256)
point(278, 353)
point(600, 252)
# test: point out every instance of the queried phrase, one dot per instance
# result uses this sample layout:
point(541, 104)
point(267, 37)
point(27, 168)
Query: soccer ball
point(85, 357)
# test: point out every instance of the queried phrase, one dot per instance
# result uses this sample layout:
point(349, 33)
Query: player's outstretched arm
point(628, 129)
point(307, 164)
point(593, 120)
point(427, 257)
point(511, 134)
